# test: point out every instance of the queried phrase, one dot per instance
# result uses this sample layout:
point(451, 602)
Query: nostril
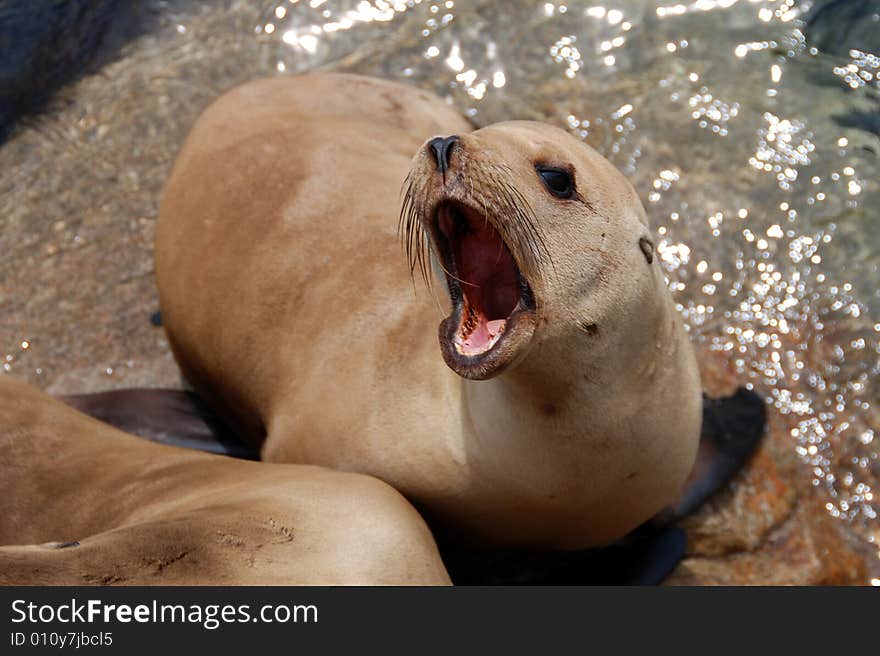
point(442, 150)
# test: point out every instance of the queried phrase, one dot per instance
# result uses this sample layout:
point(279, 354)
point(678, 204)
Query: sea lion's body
point(87, 504)
point(290, 308)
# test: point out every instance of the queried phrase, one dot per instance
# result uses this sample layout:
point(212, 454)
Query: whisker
point(492, 190)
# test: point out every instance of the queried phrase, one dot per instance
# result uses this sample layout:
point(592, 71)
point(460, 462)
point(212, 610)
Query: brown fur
point(87, 504)
point(289, 305)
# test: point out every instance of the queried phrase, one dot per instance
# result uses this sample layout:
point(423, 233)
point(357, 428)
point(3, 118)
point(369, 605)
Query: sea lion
point(85, 503)
point(563, 406)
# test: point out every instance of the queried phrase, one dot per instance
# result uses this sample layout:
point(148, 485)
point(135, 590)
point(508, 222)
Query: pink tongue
point(482, 336)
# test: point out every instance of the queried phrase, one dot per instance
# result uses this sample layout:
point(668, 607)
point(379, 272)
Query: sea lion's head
point(527, 225)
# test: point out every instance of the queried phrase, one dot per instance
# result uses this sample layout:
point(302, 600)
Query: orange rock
point(769, 527)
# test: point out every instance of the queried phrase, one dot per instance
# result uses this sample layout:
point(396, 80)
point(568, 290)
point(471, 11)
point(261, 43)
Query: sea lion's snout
point(483, 238)
point(441, 149)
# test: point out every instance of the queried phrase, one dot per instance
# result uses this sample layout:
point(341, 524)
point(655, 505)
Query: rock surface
point(769, 527)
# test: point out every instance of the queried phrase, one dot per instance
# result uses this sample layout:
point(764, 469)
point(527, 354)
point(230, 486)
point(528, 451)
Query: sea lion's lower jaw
point(493, 307)
point(504, 349)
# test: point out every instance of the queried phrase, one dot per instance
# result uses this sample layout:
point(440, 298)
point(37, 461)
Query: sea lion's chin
point(493, 306)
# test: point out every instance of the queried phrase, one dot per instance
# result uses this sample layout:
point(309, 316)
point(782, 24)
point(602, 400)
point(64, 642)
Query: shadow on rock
point(45, 44)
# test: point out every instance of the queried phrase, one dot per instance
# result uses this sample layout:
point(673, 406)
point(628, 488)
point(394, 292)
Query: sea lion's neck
point(561, 391)
point(533, 404)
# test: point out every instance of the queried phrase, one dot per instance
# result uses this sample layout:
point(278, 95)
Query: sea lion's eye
point(557, 181)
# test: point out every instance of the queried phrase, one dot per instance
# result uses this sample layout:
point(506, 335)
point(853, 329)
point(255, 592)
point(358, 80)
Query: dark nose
point(442, 149)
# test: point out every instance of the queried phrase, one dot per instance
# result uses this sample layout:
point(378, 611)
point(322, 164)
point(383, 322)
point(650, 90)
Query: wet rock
point(740, 519)
point(160, 371)
point(837, 26)
point(807, 548)
point(769, 527)
point(869, 121)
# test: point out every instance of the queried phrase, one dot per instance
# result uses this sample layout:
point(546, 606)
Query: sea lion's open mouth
point(490, 296)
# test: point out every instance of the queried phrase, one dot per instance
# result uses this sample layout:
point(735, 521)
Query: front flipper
point(174, 417)
point(732, 428)
point(644, 557)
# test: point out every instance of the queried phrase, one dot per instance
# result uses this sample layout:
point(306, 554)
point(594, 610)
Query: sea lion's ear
point(647, 247)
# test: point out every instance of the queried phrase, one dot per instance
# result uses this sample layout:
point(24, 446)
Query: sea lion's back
point(326, 104)
point(280, 212)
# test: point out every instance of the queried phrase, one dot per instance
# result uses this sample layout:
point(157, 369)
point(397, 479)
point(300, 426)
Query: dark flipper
point(175, 417)
point(732, 428)
point(644, 557)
